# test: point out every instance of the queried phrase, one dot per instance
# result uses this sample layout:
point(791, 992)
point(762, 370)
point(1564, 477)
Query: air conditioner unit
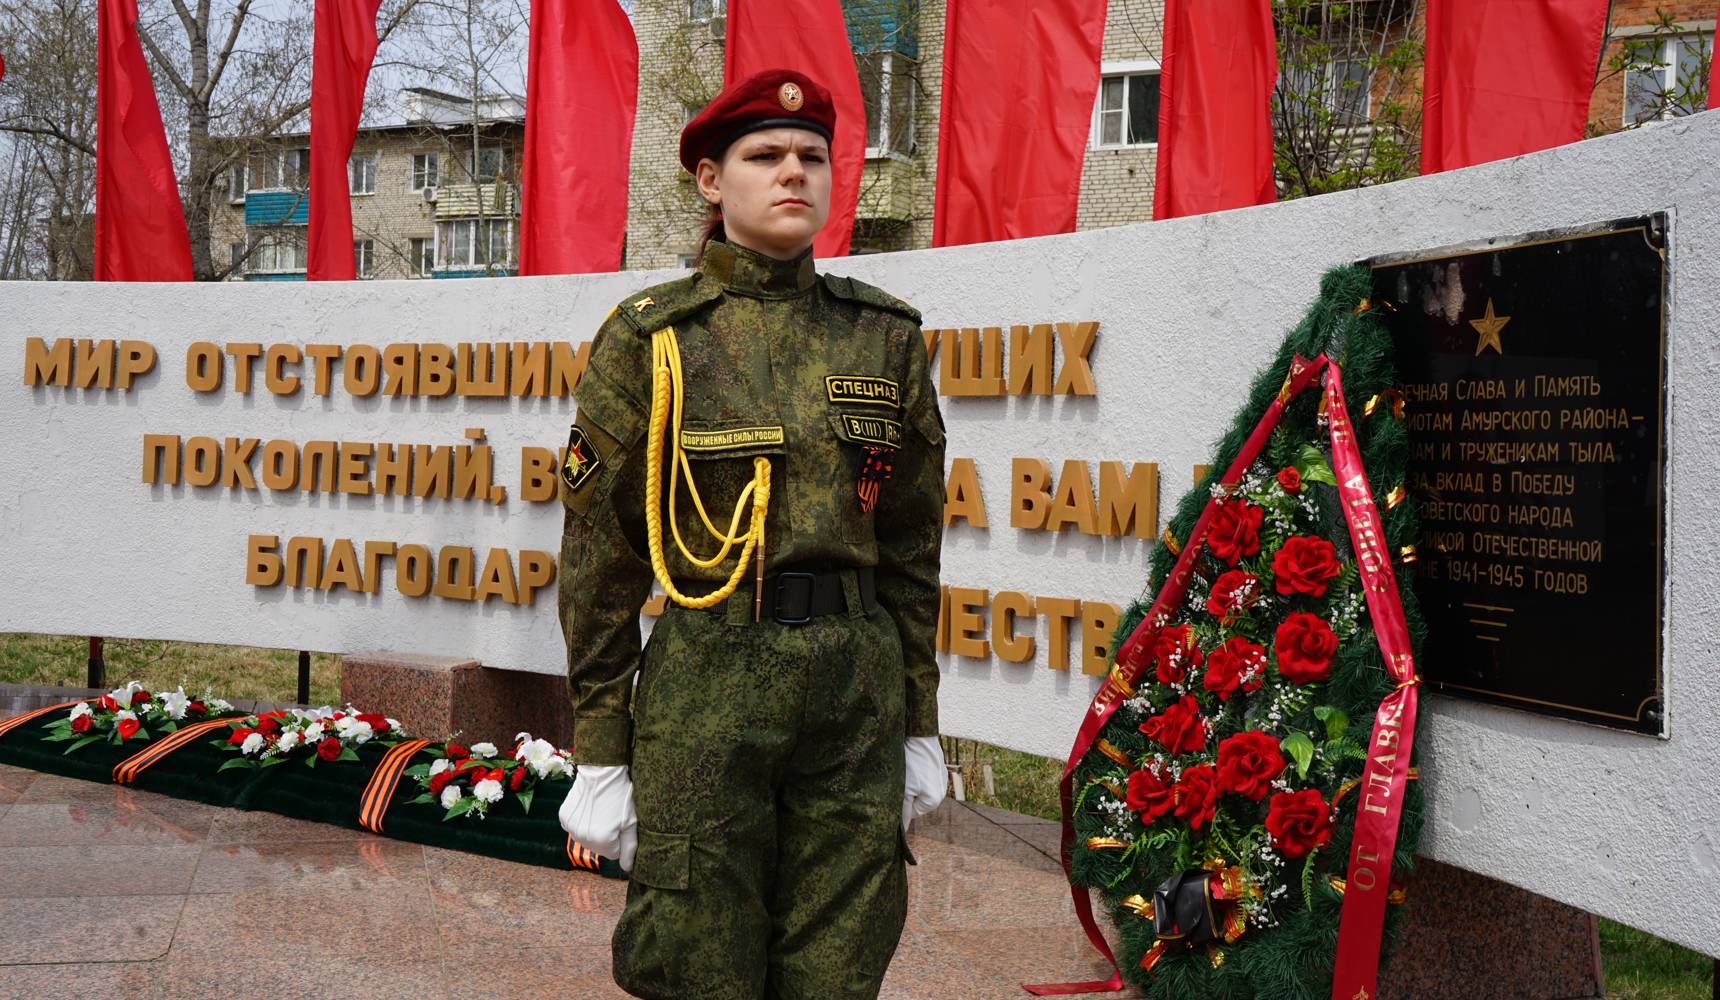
point(718, 24)
point(430, 193)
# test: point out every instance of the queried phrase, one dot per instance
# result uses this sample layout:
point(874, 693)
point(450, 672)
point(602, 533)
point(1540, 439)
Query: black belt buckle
point(807, 581)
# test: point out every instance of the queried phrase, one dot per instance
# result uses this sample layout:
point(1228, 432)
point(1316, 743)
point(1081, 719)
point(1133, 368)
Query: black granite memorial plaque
point(1534, 393)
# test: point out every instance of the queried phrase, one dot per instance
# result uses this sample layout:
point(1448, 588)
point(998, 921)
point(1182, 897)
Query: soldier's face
point(774, 189)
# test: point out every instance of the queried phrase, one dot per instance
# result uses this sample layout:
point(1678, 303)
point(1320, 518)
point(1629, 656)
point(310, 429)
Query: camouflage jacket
point(777, 360)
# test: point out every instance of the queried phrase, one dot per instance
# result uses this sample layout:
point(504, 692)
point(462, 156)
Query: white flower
point(439, 765)
point(125, 713)
point(288, 740)
point(540, 755)
point(175, 703)
point(218, 704)
point(483, 749)
point(451, 795)
point(82, 708)
point(252, 744)
point(314, 731)
point(352, 729)
point(488, 790)
point(122, 695)
point(394, 726)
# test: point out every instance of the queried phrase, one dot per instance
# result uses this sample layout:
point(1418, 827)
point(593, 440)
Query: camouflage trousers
point(767, 775)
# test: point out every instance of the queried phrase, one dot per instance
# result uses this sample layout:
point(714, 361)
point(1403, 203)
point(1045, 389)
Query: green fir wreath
point(1222, 768)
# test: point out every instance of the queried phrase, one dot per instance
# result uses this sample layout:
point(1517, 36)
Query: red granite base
point(438, 696)
point(1473, 938)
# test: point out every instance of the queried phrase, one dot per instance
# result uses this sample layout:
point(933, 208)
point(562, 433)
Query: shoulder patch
point(855, 290)
point(658, 306)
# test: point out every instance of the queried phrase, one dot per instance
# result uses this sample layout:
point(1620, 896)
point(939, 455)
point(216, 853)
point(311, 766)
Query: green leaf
point(465, 805)
point(426, 797)
point(1308, 880)
point(279, 758)
point(170, 725)
point(347, 753)
point(235, 762)
point(525, 797)
point(311, 761)
point(1334, 718)
point(417, 771)
point(1312, 465)
point(1301, 750)
point(86, 741)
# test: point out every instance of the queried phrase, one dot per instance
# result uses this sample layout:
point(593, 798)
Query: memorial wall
point(364, 466)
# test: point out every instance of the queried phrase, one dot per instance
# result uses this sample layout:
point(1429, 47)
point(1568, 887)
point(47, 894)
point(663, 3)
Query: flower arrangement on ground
point(131, 713)
point(468, 780)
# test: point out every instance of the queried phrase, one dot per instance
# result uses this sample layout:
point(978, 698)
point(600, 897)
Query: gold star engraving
point(790, 97)
point(1488, 327)
point(643, 303)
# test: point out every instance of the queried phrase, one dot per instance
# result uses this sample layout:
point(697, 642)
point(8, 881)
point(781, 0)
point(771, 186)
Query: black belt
point(795, 597)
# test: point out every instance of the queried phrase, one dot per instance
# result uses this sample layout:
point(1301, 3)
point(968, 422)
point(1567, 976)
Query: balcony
point(460, 201)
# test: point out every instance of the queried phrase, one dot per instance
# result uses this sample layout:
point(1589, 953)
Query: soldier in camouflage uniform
point(766, 756)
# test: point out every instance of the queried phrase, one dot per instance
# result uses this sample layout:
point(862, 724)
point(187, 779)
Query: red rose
point(375, 720)
point(336, 717)
point(1196, 795)
point(1180, 728)
point(1174, 652)
point(1238, 664)
point(126, 728)
point(107, 704)
point(1232, 594)
point(1303, 566)
point(439, 781)
point(139, 697)
point(197, 707)
point(239, 735)
point(1247, 763)
point(495, 774)
point(1149, 795)
point(81, 724)
point(1305, 645)
point(518, 779)
point(268, 726)
point(1298, 822)
point(456, 751)
point(1290, 480)
point(328, 748)
point(1235, 530)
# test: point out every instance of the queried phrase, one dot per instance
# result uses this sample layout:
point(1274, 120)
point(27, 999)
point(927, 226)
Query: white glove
point(598, 812)
point(927, 777)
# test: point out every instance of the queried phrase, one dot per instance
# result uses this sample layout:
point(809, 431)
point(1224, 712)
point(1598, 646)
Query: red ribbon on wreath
point(1361, 920)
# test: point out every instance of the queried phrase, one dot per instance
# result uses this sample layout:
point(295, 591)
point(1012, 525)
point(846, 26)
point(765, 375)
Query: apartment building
point(435, 194)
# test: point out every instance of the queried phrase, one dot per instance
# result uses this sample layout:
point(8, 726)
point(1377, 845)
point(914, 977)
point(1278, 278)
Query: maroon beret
point(770, 98)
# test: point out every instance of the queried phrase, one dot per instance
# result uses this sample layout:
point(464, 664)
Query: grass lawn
point(1638, 966)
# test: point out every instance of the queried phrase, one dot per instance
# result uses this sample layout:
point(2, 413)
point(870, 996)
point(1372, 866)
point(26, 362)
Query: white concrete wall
point(1626, 826)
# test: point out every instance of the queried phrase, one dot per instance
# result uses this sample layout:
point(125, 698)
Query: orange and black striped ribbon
point(373, 804)
point(127, 770)
point(580, 855)
point(18, 720)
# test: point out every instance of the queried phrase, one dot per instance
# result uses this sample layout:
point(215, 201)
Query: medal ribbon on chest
point(873, 472)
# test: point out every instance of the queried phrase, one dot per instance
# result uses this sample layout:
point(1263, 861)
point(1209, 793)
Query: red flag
point(345, 44)
point(1506, 77)
point(140, 223)
point(582, 92)
point(1220, 61)
point(1713, 77)
point(1020, 77)
point(811, 37)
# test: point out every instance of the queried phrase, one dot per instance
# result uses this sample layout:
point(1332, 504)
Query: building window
point(704, 10)
point(280, 170)
point(887, 90)
point(421, 255)
point(237, 183)
point(364, 258)
point(1340, 88)
point(235, 258)
point(490, 163)
point(469, 243)
point(423, 171)
point(361, 173)
point(1668, 80)
point(278, 253)
point(683, 260)
point(1128, 110)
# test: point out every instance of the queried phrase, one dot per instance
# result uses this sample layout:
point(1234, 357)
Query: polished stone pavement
point(108, 890)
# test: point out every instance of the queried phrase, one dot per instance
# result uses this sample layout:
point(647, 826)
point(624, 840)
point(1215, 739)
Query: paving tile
point(70, 929)
point(547, 973)
point(116, 870)
point(125, 818)
point(338, 867)
point(535, 907)
point(234, 826)
point(387, 925)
